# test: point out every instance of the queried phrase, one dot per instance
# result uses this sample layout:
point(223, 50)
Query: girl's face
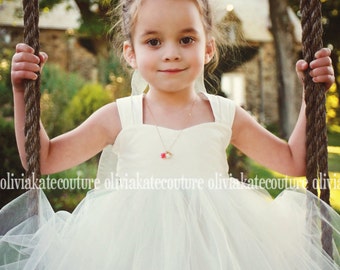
point(169, 45)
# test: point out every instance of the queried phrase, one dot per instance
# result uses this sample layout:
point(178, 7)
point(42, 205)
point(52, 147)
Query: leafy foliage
point(5, 82)
point(9, 157)
point(114, 76)
point(90, 98)
point(10, 162)
point(94, 19)
point(58, 88)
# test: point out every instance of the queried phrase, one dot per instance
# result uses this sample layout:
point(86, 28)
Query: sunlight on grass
point(334, 149)
point(281, 181)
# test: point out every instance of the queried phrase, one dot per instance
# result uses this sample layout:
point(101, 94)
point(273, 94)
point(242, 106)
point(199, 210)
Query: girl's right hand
point(25, 66)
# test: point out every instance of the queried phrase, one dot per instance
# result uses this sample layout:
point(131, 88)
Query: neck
point(171, 99)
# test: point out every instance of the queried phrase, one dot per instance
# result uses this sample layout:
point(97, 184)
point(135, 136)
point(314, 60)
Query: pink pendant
point(166, 155)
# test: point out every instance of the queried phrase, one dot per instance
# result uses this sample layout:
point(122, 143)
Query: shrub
point(57, 89)
point(10, 162)
point(90, 98)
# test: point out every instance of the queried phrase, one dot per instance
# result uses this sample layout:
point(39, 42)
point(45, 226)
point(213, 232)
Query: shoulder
point(115, 109)
point(109, 110)
point(129, 101)
point(130, 110)
point(224, 108)
point(107, 120)
point(221, 101)
point(246, 128)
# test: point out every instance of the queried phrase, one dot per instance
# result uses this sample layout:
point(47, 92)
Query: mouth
point(172, 70)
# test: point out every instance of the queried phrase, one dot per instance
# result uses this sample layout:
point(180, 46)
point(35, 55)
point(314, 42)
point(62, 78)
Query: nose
point(171, 53)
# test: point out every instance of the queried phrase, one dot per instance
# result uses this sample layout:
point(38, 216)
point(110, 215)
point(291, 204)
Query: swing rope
point(32, 106)
point(316, 160)
point(316, 129)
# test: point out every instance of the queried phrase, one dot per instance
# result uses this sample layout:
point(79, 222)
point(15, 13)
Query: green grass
point(258, 173)
point(334, 162)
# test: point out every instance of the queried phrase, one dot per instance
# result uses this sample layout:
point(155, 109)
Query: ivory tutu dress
point(181, 213)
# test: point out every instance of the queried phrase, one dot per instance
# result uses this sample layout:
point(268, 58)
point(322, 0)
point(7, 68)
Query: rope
point(316, 141)
point(32, 106)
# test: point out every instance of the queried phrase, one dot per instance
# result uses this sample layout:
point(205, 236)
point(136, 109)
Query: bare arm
point(259, 144)
point(69, 149)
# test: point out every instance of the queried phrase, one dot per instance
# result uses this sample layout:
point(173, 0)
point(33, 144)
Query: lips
point(172, 70)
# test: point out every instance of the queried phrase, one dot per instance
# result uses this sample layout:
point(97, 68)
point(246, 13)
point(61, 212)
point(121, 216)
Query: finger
point(25, 57)
point(25, 66)
point(325, 70)
point(301, 65)
point(20, 75)
point(22, 47)
point(328, 80)
point(43, 58)
point(324, 78)
point(324, 52)
point(324, 61)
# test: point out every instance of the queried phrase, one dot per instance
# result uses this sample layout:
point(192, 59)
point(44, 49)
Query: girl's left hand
point(321, 68)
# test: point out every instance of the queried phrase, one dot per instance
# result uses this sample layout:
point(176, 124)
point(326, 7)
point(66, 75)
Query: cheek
point(142, 63)
point(146, 60)
point(144, 56)
point(199, 55)
point(145, 65)
point(198, 58)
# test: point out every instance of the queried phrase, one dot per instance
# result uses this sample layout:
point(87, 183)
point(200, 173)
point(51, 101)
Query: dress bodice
point(198, 151)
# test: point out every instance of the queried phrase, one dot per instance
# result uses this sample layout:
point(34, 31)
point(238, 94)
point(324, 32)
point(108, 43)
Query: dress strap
point(130, 110)
point(223, 109)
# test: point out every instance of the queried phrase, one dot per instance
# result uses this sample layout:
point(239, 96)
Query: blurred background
point(83, 73)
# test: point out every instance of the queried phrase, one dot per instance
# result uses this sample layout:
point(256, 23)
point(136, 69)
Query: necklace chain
point(167, 150)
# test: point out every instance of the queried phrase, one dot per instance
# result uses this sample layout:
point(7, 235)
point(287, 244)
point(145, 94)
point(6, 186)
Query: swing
point(316, 157)
point(316, 129)
point(32, 106)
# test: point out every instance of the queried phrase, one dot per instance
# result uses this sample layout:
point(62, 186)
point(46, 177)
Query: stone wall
point(62, 49)
point(261, 84)
point(262, 87)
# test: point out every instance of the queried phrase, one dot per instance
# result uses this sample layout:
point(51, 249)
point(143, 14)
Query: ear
point(210, 50)
point(129, 54)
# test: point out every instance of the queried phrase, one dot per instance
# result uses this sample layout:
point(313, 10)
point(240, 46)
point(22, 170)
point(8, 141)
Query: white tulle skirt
point(171, 229)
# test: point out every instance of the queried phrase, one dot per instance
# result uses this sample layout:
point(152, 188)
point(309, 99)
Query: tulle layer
point(201, 229)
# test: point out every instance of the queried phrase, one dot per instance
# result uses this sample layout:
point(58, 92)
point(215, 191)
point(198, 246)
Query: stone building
point(254, 84)
point(57, 27)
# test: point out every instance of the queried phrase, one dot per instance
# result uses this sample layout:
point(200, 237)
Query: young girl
point(172, 204)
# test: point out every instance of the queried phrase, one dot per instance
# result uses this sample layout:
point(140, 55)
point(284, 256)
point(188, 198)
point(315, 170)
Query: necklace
point(167, 154)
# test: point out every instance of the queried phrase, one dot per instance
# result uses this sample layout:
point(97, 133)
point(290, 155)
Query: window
point(233, 85)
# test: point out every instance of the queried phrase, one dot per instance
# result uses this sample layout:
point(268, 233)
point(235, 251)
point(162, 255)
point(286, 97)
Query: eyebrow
point(183, 31)
point(189, 30)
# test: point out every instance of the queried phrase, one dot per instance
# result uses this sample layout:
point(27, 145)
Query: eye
point(153, 42)
point(187, 40)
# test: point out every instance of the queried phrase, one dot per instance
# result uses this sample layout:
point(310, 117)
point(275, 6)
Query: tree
point(92, 34)
point(283, 32)
point(95, 22)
